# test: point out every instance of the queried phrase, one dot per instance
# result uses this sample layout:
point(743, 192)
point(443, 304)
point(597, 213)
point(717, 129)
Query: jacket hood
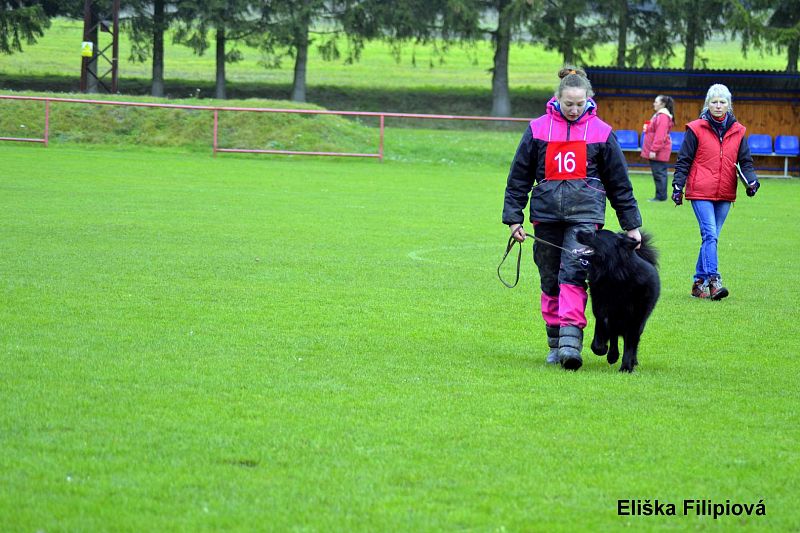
point(553, 109)
point(665, 111)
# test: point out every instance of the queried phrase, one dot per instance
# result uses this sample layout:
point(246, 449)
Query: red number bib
point(565, 160)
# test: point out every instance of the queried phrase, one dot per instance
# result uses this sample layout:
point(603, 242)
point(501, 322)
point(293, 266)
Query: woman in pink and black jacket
point(657, 144)
point(568, 162)
point(712, 148)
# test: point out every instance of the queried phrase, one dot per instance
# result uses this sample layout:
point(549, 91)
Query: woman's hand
point(635, 235)
point(652, 155)
point(518, 232)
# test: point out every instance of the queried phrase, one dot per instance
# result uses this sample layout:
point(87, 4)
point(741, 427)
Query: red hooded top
point(656, 138)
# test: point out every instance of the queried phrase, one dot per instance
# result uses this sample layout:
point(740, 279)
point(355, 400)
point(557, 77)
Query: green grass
point(193, 344)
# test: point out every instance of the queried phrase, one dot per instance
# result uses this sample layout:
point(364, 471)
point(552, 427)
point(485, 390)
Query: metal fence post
point(380, 147)
point(46, 122)
point(216, 122)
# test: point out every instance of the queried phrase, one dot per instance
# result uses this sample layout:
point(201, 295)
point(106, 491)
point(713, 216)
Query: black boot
point(552, 342)
point(570, 342)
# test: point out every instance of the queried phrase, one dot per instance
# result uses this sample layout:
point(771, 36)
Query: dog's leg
point(629, 360)
point(613, 352)
point(600, 339)
point(614, 334)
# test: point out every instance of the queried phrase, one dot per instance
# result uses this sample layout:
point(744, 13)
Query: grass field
point(251, 343)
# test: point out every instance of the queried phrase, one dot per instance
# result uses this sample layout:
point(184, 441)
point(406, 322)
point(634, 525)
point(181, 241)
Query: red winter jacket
point(656, 137)
point(712, 175)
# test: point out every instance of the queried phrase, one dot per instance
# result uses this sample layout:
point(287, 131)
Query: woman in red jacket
point(657, 144)
point(714, 144)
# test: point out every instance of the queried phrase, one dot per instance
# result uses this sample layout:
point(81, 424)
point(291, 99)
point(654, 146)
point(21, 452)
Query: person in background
point(568, 161)
point(707, 166)
point(657, 144)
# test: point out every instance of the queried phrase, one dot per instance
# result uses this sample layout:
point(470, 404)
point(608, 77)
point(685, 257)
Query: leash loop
point(509, 247)
point(579, 253)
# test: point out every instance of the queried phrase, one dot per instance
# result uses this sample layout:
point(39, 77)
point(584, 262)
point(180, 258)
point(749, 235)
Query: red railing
point(216, 109)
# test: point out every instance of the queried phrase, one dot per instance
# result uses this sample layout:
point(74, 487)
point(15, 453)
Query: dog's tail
point(646, 251)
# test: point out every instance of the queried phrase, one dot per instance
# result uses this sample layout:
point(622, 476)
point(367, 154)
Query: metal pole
point(87, 24)
point(380, 147)
point(115, 49)
point(46, 122)
point(216, 122)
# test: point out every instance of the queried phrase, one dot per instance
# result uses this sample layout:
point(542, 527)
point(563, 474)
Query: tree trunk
point(793, 50)
point(622, 32)
point(501, 99)
point(566, 48)
point(220, 89)
point(159, 25)
point(691, 44)
point(300, 62)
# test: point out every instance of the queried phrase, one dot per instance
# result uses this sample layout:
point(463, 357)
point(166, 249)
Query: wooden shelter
point(765, 102)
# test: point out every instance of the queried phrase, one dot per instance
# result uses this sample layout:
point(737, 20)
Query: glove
point(677, 195)
point(753, 188)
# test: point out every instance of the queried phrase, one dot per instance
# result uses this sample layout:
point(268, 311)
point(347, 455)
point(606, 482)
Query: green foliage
point(20, 21)
point(57, 53)
point(245, 343)
point(770, 26)
point(196, 18)
point(567, 27)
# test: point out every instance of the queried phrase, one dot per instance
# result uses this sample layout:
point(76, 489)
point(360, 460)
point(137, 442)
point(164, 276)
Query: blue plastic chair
point(628, 140)
point(677, 139)
point(787, 145)
point(760, 144)
point(641, 140)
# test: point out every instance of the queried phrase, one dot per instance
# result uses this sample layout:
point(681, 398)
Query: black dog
point(624, 285)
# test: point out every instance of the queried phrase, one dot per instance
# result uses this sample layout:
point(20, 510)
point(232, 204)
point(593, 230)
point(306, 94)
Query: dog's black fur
point(624, 286)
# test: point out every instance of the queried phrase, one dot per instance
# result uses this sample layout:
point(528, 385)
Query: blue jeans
point(711, 216)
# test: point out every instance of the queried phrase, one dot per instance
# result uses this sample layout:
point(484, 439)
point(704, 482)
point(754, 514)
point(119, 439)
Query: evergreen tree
point(146, 27)
point(21, 21)
point(230, 21)
point(769, 26)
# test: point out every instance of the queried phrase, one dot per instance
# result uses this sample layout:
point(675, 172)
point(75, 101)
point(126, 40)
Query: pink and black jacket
point(574, 200)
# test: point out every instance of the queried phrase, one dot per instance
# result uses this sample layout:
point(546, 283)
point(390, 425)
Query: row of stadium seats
point(629, 141)
point(786, 145)
point(760, 144)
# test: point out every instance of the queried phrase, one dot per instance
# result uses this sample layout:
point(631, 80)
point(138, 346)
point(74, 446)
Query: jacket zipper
point(721, 155)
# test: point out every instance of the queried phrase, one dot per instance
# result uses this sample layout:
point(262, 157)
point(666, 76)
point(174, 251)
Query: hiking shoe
point(715, 289)
point(570, 342)
point(700, 289)
point(552, 343)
